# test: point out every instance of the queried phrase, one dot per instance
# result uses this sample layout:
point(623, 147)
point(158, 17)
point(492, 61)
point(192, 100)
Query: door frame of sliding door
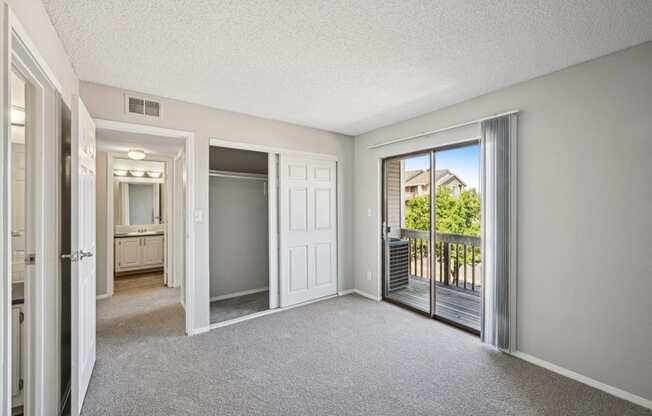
point(433, 232)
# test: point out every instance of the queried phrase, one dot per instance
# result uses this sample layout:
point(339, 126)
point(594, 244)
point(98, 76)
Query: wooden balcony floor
point(457, 305)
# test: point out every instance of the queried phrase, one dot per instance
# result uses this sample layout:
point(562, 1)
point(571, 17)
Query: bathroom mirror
point(138, 203)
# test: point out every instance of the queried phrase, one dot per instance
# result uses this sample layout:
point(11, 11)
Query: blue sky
point(464, 161)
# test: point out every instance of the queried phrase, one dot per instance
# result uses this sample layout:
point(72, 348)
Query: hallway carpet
point(343, 356)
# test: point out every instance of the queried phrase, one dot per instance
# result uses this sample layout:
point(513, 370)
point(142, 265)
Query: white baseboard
point(103, 296)
point(614, 391)
point(359, 292)
point(236, 294)
point(198, 331)
point(367, 295)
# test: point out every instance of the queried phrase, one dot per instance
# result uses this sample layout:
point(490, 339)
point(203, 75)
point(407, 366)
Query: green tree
point(455, 214)
point(417, 213)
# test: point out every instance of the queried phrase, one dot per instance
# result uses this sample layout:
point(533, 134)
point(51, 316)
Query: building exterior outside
point(417, 182)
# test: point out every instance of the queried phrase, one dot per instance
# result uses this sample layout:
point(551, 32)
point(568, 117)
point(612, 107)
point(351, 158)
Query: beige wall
point(584, 223)
point(106, 102)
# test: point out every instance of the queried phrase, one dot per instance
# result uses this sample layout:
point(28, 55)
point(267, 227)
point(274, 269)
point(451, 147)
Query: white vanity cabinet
point(128, 253)
point(153, 248)
point(142, 252)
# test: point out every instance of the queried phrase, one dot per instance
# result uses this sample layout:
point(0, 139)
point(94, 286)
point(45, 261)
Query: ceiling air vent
point(143, 106)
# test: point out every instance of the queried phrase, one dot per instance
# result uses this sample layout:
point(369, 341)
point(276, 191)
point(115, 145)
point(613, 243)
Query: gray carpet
point(344, 356)
point(223, 310)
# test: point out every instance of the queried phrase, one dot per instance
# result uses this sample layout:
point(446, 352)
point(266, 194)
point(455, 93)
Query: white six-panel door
point(308, 228)
point(83, 245)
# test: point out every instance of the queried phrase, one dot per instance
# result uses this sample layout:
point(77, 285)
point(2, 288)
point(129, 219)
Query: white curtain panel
point(499, 229)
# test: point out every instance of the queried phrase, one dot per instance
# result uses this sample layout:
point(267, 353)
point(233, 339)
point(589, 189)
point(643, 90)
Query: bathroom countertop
point(144, 234)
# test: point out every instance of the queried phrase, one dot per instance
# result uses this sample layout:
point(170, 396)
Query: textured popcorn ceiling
point(340, 65)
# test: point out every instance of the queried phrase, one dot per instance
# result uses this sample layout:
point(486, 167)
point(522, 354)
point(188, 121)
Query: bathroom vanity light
point(120, 172)
point(154, 174)
point(137, 173)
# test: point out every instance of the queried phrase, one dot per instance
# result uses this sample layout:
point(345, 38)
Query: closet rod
point(238, 175)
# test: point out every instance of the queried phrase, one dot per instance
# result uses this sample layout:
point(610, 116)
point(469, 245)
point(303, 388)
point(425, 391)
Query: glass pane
point(152, 108)
point(136, 105)
point(458, 276)
point(407, 239)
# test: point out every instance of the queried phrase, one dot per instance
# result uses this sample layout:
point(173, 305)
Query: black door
point(65, 233)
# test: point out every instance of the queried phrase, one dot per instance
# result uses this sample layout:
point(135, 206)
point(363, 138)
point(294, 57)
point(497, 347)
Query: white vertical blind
point(499, 220)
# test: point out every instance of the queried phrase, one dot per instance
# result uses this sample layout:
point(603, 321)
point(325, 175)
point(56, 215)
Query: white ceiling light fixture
point(120, 172)
point(136, 154)
point(137, 173)
point(154, 174)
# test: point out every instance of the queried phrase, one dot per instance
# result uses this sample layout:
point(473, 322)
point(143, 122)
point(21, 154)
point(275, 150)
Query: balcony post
point(446, 260)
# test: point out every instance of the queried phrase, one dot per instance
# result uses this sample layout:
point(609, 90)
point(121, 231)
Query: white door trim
point(21, 34)
point(273, 231)
point(42, 383)
point(105, 124)
point(189, 203)
point(178, 224)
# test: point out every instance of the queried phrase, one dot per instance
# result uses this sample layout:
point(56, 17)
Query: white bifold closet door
point(308, 228)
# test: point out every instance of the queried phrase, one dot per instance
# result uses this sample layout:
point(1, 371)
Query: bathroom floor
point(138, 281)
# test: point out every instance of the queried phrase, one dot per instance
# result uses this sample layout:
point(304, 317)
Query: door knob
point(73, 257)
point(83, 254)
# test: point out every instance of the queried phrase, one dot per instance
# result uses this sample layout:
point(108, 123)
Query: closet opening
point(239, 201)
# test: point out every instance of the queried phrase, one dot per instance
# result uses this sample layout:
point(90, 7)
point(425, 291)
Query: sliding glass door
point(431, 233)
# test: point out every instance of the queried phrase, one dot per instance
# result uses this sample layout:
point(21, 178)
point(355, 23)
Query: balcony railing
point(457, 258)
